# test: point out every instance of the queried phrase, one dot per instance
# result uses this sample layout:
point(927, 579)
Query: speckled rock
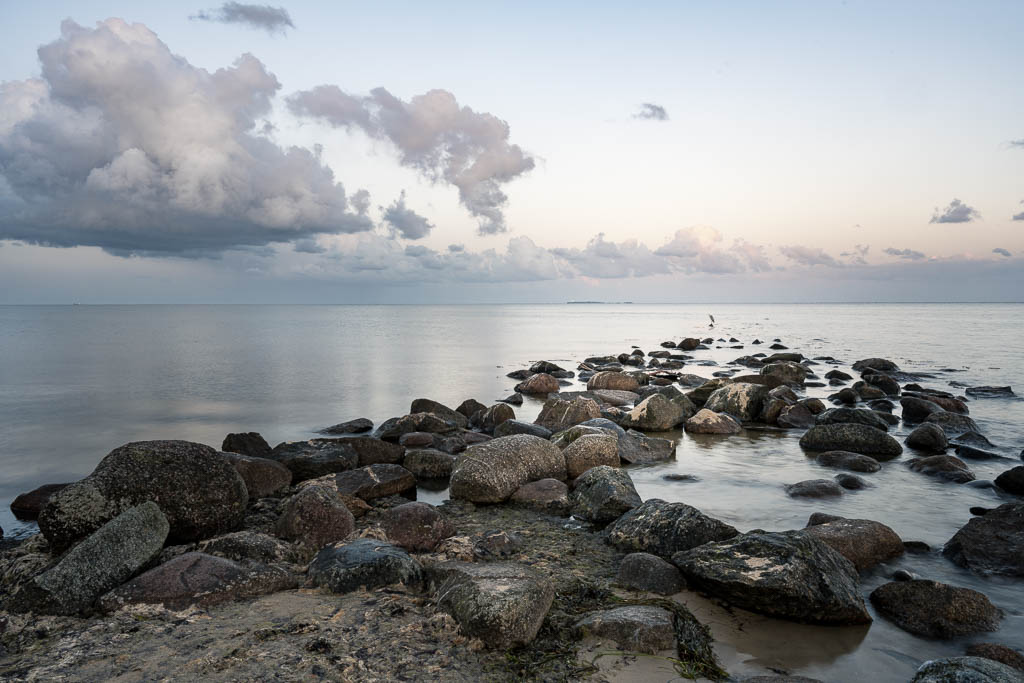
point(787, 372)
point(591, 450)
point(417, 527)
point(709, 422)
point(491, 472)
point(376, 481)
point(540, 384)
point(495, 415)
point(635, 628)
point(928, 438)
point(363, 563)
point(557, 414)
point(965, 670)
point(545, 495)
point(992, 544)
point(603, 494)
point(861, 416)
point(316, 516)
point(740, 399)
point(262, 476)
point(944, 467)
point(935, 610)
point(953, 423)
point(618, 381)
point(856, 438)
point(863, 542)
point(315, 457)
point(663, 528)
point(647, 572)
point(855, 462)
point(429, 463)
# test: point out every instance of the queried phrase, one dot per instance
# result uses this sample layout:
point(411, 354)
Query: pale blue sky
point(817, 125)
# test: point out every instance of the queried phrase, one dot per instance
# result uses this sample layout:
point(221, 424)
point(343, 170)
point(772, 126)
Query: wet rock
point(989, 392)
point(429, 463)
point(426, 405)
point(1012, 480)
point(847, 396)
point(469, 407)
point(947, 403)
point(603, 494)
point(935, 610)
point(416, 440)
point(662, 528)
point(540, 384)
point(262, 476)
point(814, 488)
point(658, 414)
point(315, 457)
point(545, 495)
point(373, 451)
point(863, 542)
point(513, 400)
point(815, 405)
point(363, 563)
point(27, 506)
point(247, 443)
point(855, 462)
point(997, 653)
point(495, 415)
point(965, 670)
point(974, 439)
point(356, 426)
point(104, 560)
point(501, 603)
point(972, 453)
point(557, 415)
point(647, 572)
point(198, 579)
point(851, 482)
point(929, 438)
point(700, 395)
point(546, 367)
point(881, 365)
point(510, 427)
point(688, 344)
point(786, 372)
point(952, 423)
point(741, 400)
point(917, 409)
point(797, 416)
point(589, 451)
point(619, 381)
point(789, 575)
point(491, 472)
point(838, 374)
point(860, 416)
point(886, 384)
point(376, 481)
point(250, 546)
point(944, 467)
point(856, 438)
point(315, 516)
point(709, 422)
point(635, 628)
point(416, 526)
point(392, 429)
point(198, 491)
point(993, 544)
point(917, 547)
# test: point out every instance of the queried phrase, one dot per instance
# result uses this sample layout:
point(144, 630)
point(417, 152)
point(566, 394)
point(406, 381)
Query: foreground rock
point(491, 472)
point(636, 628)
point(198, 491)
point(856, 438)
point(789, 575)
point(935, 610)
point(965, 670)
point(663, 528)
point(363, 563)
point(992, 544)
point(709, 422)
point(416, 526)
point(863, 542)
point(198, 579)
point(101, 562)
point(501, 603)
point(603, 494)
point(741, 400)
point(647, 572)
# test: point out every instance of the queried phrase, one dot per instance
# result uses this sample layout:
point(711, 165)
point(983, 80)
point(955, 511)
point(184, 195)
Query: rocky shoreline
point(312, 559)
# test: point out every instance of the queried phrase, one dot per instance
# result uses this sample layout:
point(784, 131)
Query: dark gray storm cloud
point(123, 145)
point(434, 135)
point(265, 17)
point(808, 256)
point(404, 222)
point(1002, 252)
point(908, 254)
point(651, 112)
point(956, 212)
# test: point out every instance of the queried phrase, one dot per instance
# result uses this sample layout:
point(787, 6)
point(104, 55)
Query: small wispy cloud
point(908, 254)
point(404, 222)
point(956, 212)
point(263, 17)
point(651, 112)
point(1002, 252)
point(1017, 143)
point(1019, 216)
point(808, 256)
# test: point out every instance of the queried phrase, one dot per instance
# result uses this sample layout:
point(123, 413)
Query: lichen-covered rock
point(928, 437)
point(316, 516)
point(603, 494)
point(742, 400)
point(198, 491)
point(592, 450)
point(104, 560)
point(247, 443)
point(663, 528)
point(545, 495)
point(491, 472)
point(709, 422)
point(501, 603)
point(965, 670)
point(789, 575)
point(426, 405)
point(647, 572)
point(863, 542)
point(429, 463)
point(856, 438)
point(935, 610)
point(656, 413)
point(363, 563)
point(557, 414)
point(418, 527)
point(636, 628)
point(855, 462)
point(991, 544)
point(315, 457)
point(262, 476)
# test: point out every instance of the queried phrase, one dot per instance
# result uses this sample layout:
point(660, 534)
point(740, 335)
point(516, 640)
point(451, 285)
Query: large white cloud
point(122, 144)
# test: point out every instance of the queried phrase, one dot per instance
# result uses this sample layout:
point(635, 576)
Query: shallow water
point(77, 381)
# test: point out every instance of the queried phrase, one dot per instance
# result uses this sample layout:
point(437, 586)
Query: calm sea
point(77, 381)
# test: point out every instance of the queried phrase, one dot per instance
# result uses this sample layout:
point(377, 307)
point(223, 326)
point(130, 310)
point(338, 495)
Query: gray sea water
point(78, 381)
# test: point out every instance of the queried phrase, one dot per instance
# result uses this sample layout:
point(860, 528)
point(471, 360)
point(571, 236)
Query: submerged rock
point(491, 472)
point(944, 467)
point(992, 544)
point(863, 542)
point(989, 392)
point(814, 488)
point(635, 628)
point(857, 438)
point(935, 610)
point(855, 462)
point(663, 528)
point(603, 494)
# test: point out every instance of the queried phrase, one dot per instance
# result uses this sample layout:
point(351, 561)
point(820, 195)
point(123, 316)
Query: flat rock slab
point(935, 610)
point(789, 575)
point(501, 603)
point(637, 628)
point(662, 528)
point(363, 563)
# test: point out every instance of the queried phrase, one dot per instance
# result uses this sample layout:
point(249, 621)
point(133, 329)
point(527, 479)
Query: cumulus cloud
point(651, 112)
point(123, 145)
point(434, 135)
point(1019, 216)
point(908, 254)
point(404, 222)
point(606, 259)
point(808, 256)
point(1002, 252)
point(698, 250)
point(859, 253)
point(270, 19)
point(956, 212)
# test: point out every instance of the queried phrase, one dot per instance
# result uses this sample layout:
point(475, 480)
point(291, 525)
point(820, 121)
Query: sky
point(457, 152)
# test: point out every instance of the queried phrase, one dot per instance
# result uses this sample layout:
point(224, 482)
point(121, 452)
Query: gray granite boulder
point(662, 528)
point(636, 628)
point(856, 438)
point(603, 494)
point(491, 472)
point(363, 563)
point(935, 610)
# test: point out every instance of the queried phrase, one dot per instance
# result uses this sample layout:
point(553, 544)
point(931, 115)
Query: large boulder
point(418, 527)
point(635, 628)
point(501, 603)
point(740, 399)
point(709, 422)
point(591, 450)
point(929, 438)
point(426, 405)
point(656, 413)
point(540, 384)
point(603, 494)
point(103, 561)
point(316, 516)
point(619, 381)
point(790, 575)
point(198, 491)
point(935, 610)
point(845, 460)
point(1012, 480)
point(246, 443)
point(662, 528)
point(491, 472)
point(852, 416)
point(363, 563)
point(429, 463)
point(198, 579)
point(315, 457)
point(965, 670)
point(863, 542)
point(262, 476)
point(856, 438)
point(557, 415)
point(991, 544)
